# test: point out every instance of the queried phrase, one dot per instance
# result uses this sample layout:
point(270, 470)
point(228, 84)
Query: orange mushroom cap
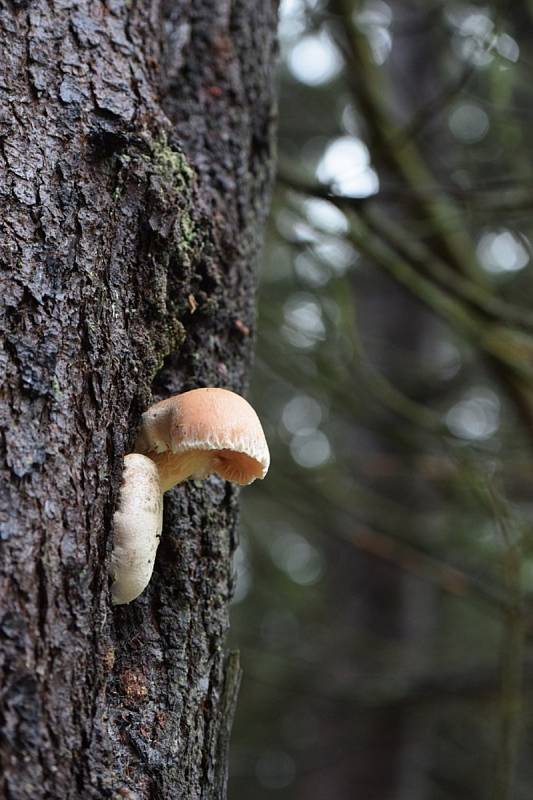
point(201, 432)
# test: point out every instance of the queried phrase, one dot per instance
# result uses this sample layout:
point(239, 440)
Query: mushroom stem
point(175, 468)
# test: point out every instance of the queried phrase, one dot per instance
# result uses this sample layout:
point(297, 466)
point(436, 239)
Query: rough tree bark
point(136, 143)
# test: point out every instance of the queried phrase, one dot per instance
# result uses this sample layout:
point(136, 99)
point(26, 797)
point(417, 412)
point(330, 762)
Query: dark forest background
point(384, 580)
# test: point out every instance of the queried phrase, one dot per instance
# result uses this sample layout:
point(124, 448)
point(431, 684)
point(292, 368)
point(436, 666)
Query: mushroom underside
point(229, 464)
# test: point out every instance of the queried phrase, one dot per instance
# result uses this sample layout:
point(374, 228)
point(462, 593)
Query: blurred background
point(385, 573)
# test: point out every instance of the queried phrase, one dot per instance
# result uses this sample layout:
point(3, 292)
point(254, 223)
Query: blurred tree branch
point(512, 649)
point(407, 162)
point(447, 235)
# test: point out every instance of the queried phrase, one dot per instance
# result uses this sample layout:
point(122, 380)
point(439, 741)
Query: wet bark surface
point(136, 162)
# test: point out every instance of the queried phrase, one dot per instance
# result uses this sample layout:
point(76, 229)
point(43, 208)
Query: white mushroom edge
point(138, 522)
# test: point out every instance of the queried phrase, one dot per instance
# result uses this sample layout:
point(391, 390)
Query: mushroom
point(194, 434)
point(191, 435)
point(137, 528)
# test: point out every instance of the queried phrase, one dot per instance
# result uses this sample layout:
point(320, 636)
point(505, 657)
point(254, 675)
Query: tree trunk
point(136, 142)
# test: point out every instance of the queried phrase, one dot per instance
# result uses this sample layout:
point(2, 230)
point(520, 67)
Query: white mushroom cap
point(204, 431)
point(137, 528)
